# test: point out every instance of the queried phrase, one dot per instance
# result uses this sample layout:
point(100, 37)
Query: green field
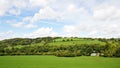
point(67, 42)
point(58, 62)
point(75, 41)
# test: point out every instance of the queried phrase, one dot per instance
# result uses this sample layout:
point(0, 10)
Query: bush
point(66, 53)
point(117, 53)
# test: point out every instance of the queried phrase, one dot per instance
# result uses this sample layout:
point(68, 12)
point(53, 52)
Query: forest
point(60, 46)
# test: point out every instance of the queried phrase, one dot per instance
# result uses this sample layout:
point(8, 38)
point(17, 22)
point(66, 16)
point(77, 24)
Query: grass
point(59, 42)
point(58, 62)
point(74, 42)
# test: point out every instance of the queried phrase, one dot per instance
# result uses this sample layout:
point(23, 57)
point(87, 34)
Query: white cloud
point(41, 3)
point(93, 32)
point(106, 12)
point(13, 7)
point(6, 35)
point(35, 3)
point(72, 30)
point(46, 13)
point(42, 32)
point(106, 30)
point(111, 29)
point(26, 19)
point(4, 7)
point(30, 26)
point(71, 13)
point(69, 28)
point(19, 24)
point(23, 23)
point(20, 4)
point(14, 12)
point(14, 23)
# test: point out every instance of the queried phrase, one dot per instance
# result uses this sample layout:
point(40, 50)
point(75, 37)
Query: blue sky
point(40, 18)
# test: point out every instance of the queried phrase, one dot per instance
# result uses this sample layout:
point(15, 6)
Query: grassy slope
point(59, 42)
point(75, 41)
point(58, 62)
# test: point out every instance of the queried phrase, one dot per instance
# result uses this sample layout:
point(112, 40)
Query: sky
point(65, 18)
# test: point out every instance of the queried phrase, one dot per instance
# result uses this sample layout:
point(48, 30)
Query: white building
point(94, 54)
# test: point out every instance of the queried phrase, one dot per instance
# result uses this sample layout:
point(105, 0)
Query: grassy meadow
point(75, 41)
point(68, 41)
point(58, 62)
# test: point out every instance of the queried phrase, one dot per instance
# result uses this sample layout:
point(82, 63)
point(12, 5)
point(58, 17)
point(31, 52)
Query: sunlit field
point(58, 62)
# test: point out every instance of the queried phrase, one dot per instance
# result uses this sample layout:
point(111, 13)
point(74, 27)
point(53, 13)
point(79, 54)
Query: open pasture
point(58, 62)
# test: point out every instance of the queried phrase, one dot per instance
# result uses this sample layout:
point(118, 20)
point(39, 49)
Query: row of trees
point(25, 41)
point(67, 51)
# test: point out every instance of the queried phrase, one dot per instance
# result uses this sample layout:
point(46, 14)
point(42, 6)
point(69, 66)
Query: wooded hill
point(58, 46)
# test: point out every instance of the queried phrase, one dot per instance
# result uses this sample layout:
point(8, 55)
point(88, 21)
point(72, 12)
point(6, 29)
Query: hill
point(67, 46)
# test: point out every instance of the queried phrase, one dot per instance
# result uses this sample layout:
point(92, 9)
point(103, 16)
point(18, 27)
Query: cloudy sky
point(39, 18)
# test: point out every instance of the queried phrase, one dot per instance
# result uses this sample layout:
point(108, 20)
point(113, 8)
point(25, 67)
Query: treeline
point(25, 41)
point(110, 49)
point(64, 51)
point(67, 51)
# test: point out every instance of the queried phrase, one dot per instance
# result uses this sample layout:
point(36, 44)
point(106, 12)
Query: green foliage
point(70, 47)
point(117, 52)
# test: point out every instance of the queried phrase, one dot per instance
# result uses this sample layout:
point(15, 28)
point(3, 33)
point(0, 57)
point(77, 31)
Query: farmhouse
point(94, 54)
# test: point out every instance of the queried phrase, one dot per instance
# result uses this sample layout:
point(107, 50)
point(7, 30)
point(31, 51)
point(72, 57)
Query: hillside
point(67, 46)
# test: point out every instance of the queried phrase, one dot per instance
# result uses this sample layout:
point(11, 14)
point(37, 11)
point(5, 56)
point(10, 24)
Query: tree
point(110, 49)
